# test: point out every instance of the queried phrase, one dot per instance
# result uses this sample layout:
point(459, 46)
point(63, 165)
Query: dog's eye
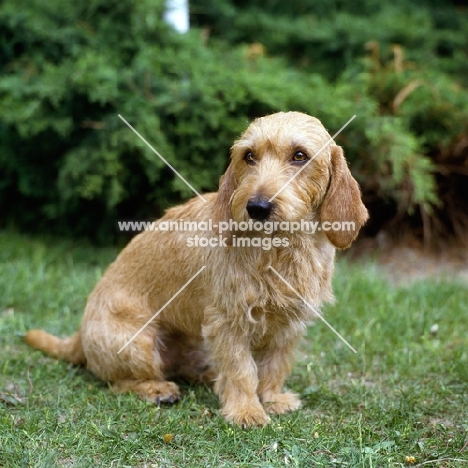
point(249, 158)
point(299, 157)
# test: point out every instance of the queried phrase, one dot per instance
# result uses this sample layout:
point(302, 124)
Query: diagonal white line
point(315, 312)
point(162, 159)
point(161, 309)
point(312, 158)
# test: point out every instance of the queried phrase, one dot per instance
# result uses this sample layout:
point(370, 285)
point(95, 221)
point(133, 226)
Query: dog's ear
point(342, 202)
point(222, 207)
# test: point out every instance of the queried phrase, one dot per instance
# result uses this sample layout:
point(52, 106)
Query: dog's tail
point(68, 349)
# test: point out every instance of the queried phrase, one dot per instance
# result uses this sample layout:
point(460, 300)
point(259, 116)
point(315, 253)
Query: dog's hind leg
point(131, 361)
point(143, 359)
point(154, 391)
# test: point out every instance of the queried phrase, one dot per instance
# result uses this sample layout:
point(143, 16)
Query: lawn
point(403, 395)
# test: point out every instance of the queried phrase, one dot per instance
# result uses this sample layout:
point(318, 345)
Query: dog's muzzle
point(259, 208)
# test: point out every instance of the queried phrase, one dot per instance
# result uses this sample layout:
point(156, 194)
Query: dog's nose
point(259, 209)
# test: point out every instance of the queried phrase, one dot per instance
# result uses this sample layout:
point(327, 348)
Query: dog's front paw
point(281, 403)
point(247, 416)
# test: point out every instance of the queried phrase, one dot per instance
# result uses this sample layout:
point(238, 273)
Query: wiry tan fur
point(237, 323)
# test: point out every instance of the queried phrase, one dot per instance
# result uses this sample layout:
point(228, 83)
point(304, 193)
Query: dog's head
point(286, 167)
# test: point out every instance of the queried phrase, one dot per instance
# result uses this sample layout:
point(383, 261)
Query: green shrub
point(67, 70)
point(409, 154)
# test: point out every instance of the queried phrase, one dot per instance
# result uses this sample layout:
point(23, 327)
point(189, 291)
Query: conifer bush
point(70, 165)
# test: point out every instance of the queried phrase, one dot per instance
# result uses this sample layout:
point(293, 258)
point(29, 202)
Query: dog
point(222, 313)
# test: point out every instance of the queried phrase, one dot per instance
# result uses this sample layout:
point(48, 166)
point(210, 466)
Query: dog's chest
point(291, 277)
point(278, 325)
point(277, 281)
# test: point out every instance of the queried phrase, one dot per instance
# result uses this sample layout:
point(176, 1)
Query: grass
point(404, 394)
